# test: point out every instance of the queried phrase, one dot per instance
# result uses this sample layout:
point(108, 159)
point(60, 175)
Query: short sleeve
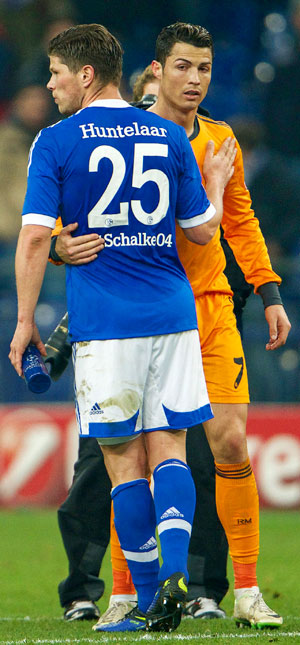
point(43, 195)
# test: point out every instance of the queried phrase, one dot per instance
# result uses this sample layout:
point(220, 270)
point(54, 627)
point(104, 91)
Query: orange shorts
point(222, 351)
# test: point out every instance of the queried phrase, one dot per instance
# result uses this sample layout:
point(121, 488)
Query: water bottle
point(35, 372)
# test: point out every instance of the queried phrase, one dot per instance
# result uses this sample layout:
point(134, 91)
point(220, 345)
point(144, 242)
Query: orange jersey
point(204, 265)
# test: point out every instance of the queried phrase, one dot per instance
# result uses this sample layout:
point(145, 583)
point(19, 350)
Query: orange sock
point(122, 581)
point(238, 510)
point(244, 575)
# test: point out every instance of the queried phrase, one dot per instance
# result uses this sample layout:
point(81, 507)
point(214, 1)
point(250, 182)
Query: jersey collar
point(110, 103)
point(196, 129)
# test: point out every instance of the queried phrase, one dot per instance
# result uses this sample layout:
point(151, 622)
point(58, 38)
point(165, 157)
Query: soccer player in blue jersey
point(125, 174)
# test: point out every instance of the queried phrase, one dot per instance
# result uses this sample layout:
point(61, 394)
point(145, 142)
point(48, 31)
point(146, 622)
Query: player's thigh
point(110, 377)
point(175, 394)
point(222, 351)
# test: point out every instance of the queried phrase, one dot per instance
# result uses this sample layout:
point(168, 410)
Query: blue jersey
point(125, 174)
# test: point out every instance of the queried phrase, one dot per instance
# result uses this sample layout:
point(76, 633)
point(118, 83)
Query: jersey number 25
point(97, 218)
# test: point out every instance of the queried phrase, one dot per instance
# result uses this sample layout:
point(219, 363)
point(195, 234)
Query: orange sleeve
point(55, 232)
point(242, 230)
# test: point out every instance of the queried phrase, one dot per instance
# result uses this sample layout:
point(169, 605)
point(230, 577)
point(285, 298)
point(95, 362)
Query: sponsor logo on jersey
point(141, 239)
point(171, 512)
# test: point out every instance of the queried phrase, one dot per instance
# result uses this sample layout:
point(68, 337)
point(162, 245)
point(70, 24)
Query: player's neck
point(99, 94)
point(172, 113)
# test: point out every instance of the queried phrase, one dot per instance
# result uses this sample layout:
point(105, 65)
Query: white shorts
point(127, 386)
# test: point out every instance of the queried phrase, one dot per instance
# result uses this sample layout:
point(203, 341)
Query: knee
point(236, 446)
point(231, 446)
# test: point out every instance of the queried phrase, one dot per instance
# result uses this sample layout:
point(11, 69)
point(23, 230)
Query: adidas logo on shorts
point(171, 512)
point(96, 409)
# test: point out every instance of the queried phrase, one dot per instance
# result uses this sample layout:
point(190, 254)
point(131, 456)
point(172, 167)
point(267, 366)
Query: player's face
point(186, 76)
point(65, 87)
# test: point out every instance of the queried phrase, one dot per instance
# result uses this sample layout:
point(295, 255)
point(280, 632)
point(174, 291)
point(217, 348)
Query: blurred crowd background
point(255, 88)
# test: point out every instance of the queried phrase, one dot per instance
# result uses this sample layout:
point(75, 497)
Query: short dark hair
point(89, 45)
point(181, 32)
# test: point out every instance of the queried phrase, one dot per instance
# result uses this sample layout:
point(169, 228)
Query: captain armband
point(269, 293)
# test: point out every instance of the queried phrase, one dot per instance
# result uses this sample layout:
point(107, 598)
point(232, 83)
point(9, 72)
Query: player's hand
point(78, 250)
point(219, 166)
point(279, 326)
point(25, 334)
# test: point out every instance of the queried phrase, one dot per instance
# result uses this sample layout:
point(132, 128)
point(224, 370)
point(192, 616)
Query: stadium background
point(255, 88)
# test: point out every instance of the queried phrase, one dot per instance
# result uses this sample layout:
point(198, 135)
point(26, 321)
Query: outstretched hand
point(219, 166)
point(78, 250)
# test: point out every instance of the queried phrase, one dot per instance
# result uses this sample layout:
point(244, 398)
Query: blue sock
point(135, 524)
point(174, 500)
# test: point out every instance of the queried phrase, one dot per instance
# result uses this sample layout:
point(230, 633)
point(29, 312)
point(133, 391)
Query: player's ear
point(87, 74)
point(156, 69)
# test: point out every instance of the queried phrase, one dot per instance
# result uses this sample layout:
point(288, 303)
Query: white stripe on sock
point(174, 524)
point(147, 556)
point(167, 465)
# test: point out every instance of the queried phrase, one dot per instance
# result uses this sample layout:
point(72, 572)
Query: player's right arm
point(31, 259)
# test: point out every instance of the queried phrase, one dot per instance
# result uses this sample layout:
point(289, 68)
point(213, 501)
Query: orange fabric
point(244, 575)
point(205, 265)
point(56, 231)
point(122, 581)
point(58, 227)
point(238, 510)
point(222, 351)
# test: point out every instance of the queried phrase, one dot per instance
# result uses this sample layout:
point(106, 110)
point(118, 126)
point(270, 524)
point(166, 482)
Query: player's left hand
point(219, 165)
point(25, 334)
point(279, 326)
